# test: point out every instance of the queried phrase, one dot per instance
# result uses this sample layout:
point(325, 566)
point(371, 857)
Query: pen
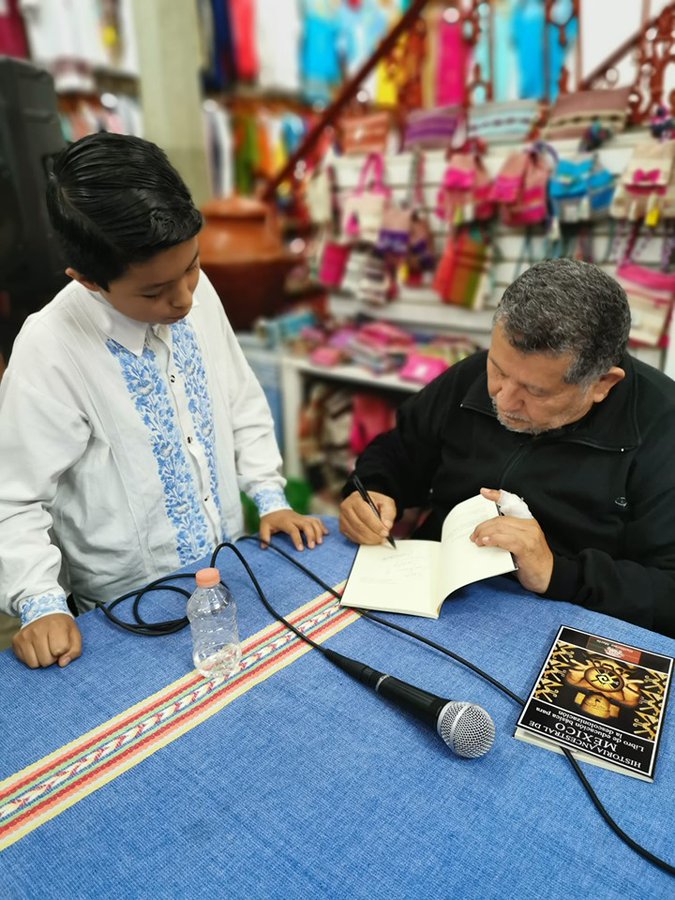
point(356, 481)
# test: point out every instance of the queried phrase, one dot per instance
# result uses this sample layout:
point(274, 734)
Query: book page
point(401, 580)
point(461, 561)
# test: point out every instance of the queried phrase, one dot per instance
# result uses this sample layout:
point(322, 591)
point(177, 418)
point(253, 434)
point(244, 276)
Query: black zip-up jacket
point(602, 489)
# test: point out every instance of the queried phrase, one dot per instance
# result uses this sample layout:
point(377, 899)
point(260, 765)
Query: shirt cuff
point(270, 500)
point(35, 608)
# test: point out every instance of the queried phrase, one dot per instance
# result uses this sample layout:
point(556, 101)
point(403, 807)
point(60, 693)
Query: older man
point(558, 413)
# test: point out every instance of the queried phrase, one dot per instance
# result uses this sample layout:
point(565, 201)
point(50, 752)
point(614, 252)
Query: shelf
point(420, 308)
point(352, 373)
point(294, 370)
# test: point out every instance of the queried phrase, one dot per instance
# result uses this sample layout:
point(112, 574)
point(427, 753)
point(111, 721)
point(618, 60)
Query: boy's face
point(157, 291)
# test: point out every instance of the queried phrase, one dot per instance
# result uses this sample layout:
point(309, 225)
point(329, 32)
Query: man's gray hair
point(561, 306)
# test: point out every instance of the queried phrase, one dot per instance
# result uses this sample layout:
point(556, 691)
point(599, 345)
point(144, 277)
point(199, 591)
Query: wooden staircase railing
point(349, 90)
point(653, 45)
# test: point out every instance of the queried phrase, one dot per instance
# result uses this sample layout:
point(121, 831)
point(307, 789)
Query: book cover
point(603, 700)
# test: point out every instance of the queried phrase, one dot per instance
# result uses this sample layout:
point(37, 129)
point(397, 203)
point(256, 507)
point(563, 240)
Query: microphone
point(467, 729)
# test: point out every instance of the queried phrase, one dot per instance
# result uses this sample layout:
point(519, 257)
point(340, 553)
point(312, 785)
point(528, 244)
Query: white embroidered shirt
point(123, 449)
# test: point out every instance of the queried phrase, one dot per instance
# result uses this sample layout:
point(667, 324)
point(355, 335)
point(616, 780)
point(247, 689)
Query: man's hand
point(524, 539)
point(294, 525)
point(360, 524)
point(51, 639)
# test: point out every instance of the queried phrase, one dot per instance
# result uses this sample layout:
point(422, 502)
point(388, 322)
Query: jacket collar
point(610, 425)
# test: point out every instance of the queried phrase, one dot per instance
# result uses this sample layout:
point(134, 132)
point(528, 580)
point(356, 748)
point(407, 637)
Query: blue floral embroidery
point(188, 358)
point(151, 398)
point(44, 605)
point(270, 500)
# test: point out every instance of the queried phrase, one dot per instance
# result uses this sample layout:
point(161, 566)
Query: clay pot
point(242, 253)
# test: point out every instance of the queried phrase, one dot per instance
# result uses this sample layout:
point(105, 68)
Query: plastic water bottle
point(213, 622)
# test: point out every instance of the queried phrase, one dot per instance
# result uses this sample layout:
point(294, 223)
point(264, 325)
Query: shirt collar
point(129, 333)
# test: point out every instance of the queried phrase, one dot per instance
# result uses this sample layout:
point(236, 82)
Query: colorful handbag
point(319, 196)
point(580, 190)
point(422, 369)
point(434, 129)
point(511, 120)
point(374, 284)
point(366, 133)
point(643, 187)
point(363, 209)
point(465, 192)
point(651, 293)
point(354, 269)
point(395, 231)
point(573, 114)
point(521, 186)
point(650, 296)
point(371, 415)
point(333, 263)
point(463, 277)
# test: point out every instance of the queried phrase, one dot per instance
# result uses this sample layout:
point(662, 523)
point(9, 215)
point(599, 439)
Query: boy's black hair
point(115, 200)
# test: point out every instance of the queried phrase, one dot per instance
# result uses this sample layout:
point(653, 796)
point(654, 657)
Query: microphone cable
point(616, 828)
point(158, 629)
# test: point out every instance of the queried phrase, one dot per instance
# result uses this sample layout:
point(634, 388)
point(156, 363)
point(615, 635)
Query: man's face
point(157, 291)
point(528, 390)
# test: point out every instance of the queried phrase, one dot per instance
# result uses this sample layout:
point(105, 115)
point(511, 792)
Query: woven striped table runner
point(44, 789)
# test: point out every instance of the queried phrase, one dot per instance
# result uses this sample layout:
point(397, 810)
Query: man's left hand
point(295, 525)
point(524, 539)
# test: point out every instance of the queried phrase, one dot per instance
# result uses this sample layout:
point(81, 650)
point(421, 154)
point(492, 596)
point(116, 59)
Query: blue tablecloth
point(309, 785)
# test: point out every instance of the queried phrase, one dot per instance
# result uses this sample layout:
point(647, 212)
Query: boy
point(129, 418)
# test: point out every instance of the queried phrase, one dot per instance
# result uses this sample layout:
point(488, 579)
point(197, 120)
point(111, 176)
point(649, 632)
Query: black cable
point(620, 833)
point(265, 602)
point(156, 629)
point(149, 629)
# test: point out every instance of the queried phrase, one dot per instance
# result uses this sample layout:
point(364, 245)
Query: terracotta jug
point(242, 253)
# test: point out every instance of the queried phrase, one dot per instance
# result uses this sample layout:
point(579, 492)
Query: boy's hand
point(51, 639)
point(294, 525)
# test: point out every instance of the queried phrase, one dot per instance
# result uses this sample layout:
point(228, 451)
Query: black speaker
point(31, 266)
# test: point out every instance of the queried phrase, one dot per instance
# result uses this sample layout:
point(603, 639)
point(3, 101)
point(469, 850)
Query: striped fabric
point(52, 784)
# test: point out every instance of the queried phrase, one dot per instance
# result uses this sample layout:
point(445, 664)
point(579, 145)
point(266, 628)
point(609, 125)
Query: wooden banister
point(622, 50)
point(347, 93)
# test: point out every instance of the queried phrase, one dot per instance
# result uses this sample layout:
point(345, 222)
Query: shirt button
point(189, 439)
point(172, 378)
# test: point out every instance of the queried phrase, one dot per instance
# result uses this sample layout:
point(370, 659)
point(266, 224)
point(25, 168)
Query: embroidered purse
point(465, 192)
point(651, 294)
point(520, 188)
point(573, 114)
point(463, 277)
point(642, 189)
point(333, 263)
point(433, 129)
point(363, 209)
point(366, 133)
point(508, 121)
point(579, 190)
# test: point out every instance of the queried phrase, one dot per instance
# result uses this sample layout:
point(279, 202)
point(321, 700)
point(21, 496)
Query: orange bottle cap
point(206, 578)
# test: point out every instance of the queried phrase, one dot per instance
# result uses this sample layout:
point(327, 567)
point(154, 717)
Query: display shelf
point(294, 371)
point(420, 309)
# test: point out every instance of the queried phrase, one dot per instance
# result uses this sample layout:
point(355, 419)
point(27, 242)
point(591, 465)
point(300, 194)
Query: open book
point(417, 576)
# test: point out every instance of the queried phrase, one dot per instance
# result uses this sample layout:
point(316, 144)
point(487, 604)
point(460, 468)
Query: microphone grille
point(467, 729)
